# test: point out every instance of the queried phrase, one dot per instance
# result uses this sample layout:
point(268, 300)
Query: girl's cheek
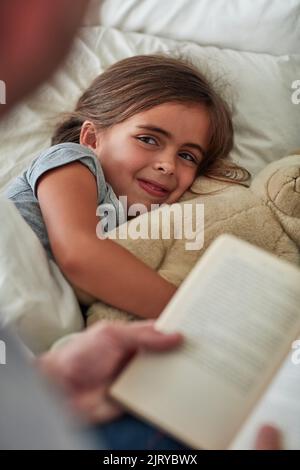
point(140, 160)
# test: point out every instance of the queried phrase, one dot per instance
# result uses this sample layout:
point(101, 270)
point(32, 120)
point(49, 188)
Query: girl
point(144, 129)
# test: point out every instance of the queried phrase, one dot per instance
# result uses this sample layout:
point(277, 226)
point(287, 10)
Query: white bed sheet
point(271, 26)
point(259, 85)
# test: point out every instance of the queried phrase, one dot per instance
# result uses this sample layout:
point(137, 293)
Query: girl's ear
point(88, 135)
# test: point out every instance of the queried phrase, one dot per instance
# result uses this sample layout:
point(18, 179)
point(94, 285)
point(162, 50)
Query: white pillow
point(266, 121)
point(35, 299)
point(271, 26)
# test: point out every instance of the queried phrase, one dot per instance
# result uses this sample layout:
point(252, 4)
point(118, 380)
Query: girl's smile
point(154, 188)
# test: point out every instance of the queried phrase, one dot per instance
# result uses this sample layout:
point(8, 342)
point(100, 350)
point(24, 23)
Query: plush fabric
point(266, 214)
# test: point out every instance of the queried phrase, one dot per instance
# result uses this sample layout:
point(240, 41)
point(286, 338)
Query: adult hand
point(35, 35)
point(87, 365)
point(268, 438)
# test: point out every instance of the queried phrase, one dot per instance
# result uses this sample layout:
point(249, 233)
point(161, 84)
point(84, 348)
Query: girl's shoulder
point(60, 155)
point(66, 151)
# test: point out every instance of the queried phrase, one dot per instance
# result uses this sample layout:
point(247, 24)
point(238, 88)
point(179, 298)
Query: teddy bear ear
point(284, 190)
point(280, 182)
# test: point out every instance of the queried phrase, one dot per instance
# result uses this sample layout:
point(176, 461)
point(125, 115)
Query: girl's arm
point(102, 268)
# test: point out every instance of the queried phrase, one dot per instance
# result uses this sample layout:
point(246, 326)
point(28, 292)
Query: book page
point(239, 312)
point(280, 407)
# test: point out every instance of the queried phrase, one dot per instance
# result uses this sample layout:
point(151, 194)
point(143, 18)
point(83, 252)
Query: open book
point(239, 310)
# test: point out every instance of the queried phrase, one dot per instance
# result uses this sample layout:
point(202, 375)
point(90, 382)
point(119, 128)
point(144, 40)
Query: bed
point(252, 47)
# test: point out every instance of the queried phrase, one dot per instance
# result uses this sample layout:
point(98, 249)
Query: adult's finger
point(130, 337)
point(95, 406)
point(268, 438)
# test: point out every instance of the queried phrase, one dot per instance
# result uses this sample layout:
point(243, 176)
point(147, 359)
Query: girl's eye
point(188, 157)
point(146, 139)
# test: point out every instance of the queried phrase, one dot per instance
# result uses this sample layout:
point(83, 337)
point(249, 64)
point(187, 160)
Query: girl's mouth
point(152, 189)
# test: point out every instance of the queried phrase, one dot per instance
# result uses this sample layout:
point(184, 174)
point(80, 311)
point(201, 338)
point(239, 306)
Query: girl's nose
point(167, 168)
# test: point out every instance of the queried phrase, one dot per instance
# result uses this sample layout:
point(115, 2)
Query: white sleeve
point(35, 298)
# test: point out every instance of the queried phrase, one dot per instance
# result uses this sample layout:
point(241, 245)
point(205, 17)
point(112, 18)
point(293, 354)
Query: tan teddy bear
point(266, 214)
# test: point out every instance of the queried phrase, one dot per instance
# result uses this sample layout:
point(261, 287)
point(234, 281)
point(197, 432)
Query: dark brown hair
point(139, 83)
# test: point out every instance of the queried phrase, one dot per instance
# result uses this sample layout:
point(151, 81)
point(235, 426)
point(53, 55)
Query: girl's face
point(152, 157)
